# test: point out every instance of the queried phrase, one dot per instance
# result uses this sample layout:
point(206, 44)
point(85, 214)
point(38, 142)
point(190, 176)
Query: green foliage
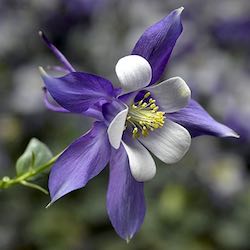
point(36, 159)
point(35, 155)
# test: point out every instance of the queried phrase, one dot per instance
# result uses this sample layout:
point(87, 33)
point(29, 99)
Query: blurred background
point(201, 203)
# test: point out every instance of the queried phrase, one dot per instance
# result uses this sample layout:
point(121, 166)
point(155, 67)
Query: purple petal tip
point(42, 71)
point(40, 33)
point(179, 10)
point(128, 240)
point(234, 134)
point(49, 205)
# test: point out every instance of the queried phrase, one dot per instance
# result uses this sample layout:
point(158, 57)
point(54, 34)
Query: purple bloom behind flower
point(78, 7)
point(233, 32)
point(139, 116)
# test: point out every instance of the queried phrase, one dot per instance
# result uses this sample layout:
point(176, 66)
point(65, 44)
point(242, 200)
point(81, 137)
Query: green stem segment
point(23, 179)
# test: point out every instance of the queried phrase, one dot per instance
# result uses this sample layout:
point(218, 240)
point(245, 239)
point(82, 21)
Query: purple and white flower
point(140, 116)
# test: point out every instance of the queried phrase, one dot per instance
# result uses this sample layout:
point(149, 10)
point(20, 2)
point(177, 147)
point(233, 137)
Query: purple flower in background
point(232, 32)
point(139, 116)
point(78, 7)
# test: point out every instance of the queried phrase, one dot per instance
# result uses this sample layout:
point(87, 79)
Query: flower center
point(144, 116)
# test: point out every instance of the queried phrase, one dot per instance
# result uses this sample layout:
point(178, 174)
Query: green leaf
point(35, 155)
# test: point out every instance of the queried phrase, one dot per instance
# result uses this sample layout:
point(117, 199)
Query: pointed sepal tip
point(40, 33)
point(49, 205)
point(179, 10)
point(42, 71)
point(234, 134)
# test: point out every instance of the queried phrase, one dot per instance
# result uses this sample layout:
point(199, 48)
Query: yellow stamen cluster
point(144, 116)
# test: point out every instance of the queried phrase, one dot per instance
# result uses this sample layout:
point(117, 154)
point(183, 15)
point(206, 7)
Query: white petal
point(141, 163)
point(116, 127)
point(134, 72)
point(169, 143)
point(171, 95)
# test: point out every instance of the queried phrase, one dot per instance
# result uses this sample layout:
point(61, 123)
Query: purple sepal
point(94, 111)
point(198, 122)
point(157, 42)
point(78, 91)
point(110, 110)
point(125, 197)
point(52, 106)
point(57, 53)
point(81, 161)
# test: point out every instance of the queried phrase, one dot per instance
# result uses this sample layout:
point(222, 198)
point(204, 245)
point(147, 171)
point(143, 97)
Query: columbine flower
point(139, 116)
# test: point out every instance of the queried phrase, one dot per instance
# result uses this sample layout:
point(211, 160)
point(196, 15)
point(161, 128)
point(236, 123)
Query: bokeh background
point(201, 203)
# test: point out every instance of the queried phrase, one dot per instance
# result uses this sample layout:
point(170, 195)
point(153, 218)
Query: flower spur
point(139, 117)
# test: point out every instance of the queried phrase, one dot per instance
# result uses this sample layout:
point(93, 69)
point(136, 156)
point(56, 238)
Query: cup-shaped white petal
point(116, 127)
point(134, 72)
point(171, 95)
point(169, 143)
point(141, 163)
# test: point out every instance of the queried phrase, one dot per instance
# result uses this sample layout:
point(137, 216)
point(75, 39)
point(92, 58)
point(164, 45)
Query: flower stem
point(7, 182)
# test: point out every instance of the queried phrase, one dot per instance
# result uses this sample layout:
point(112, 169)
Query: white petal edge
point(171, 95)
point(134, 72)
point(141, 163)
point(169, 143)
point(116, 128)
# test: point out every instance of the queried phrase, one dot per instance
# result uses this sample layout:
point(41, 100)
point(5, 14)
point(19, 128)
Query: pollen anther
point(144, 117)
